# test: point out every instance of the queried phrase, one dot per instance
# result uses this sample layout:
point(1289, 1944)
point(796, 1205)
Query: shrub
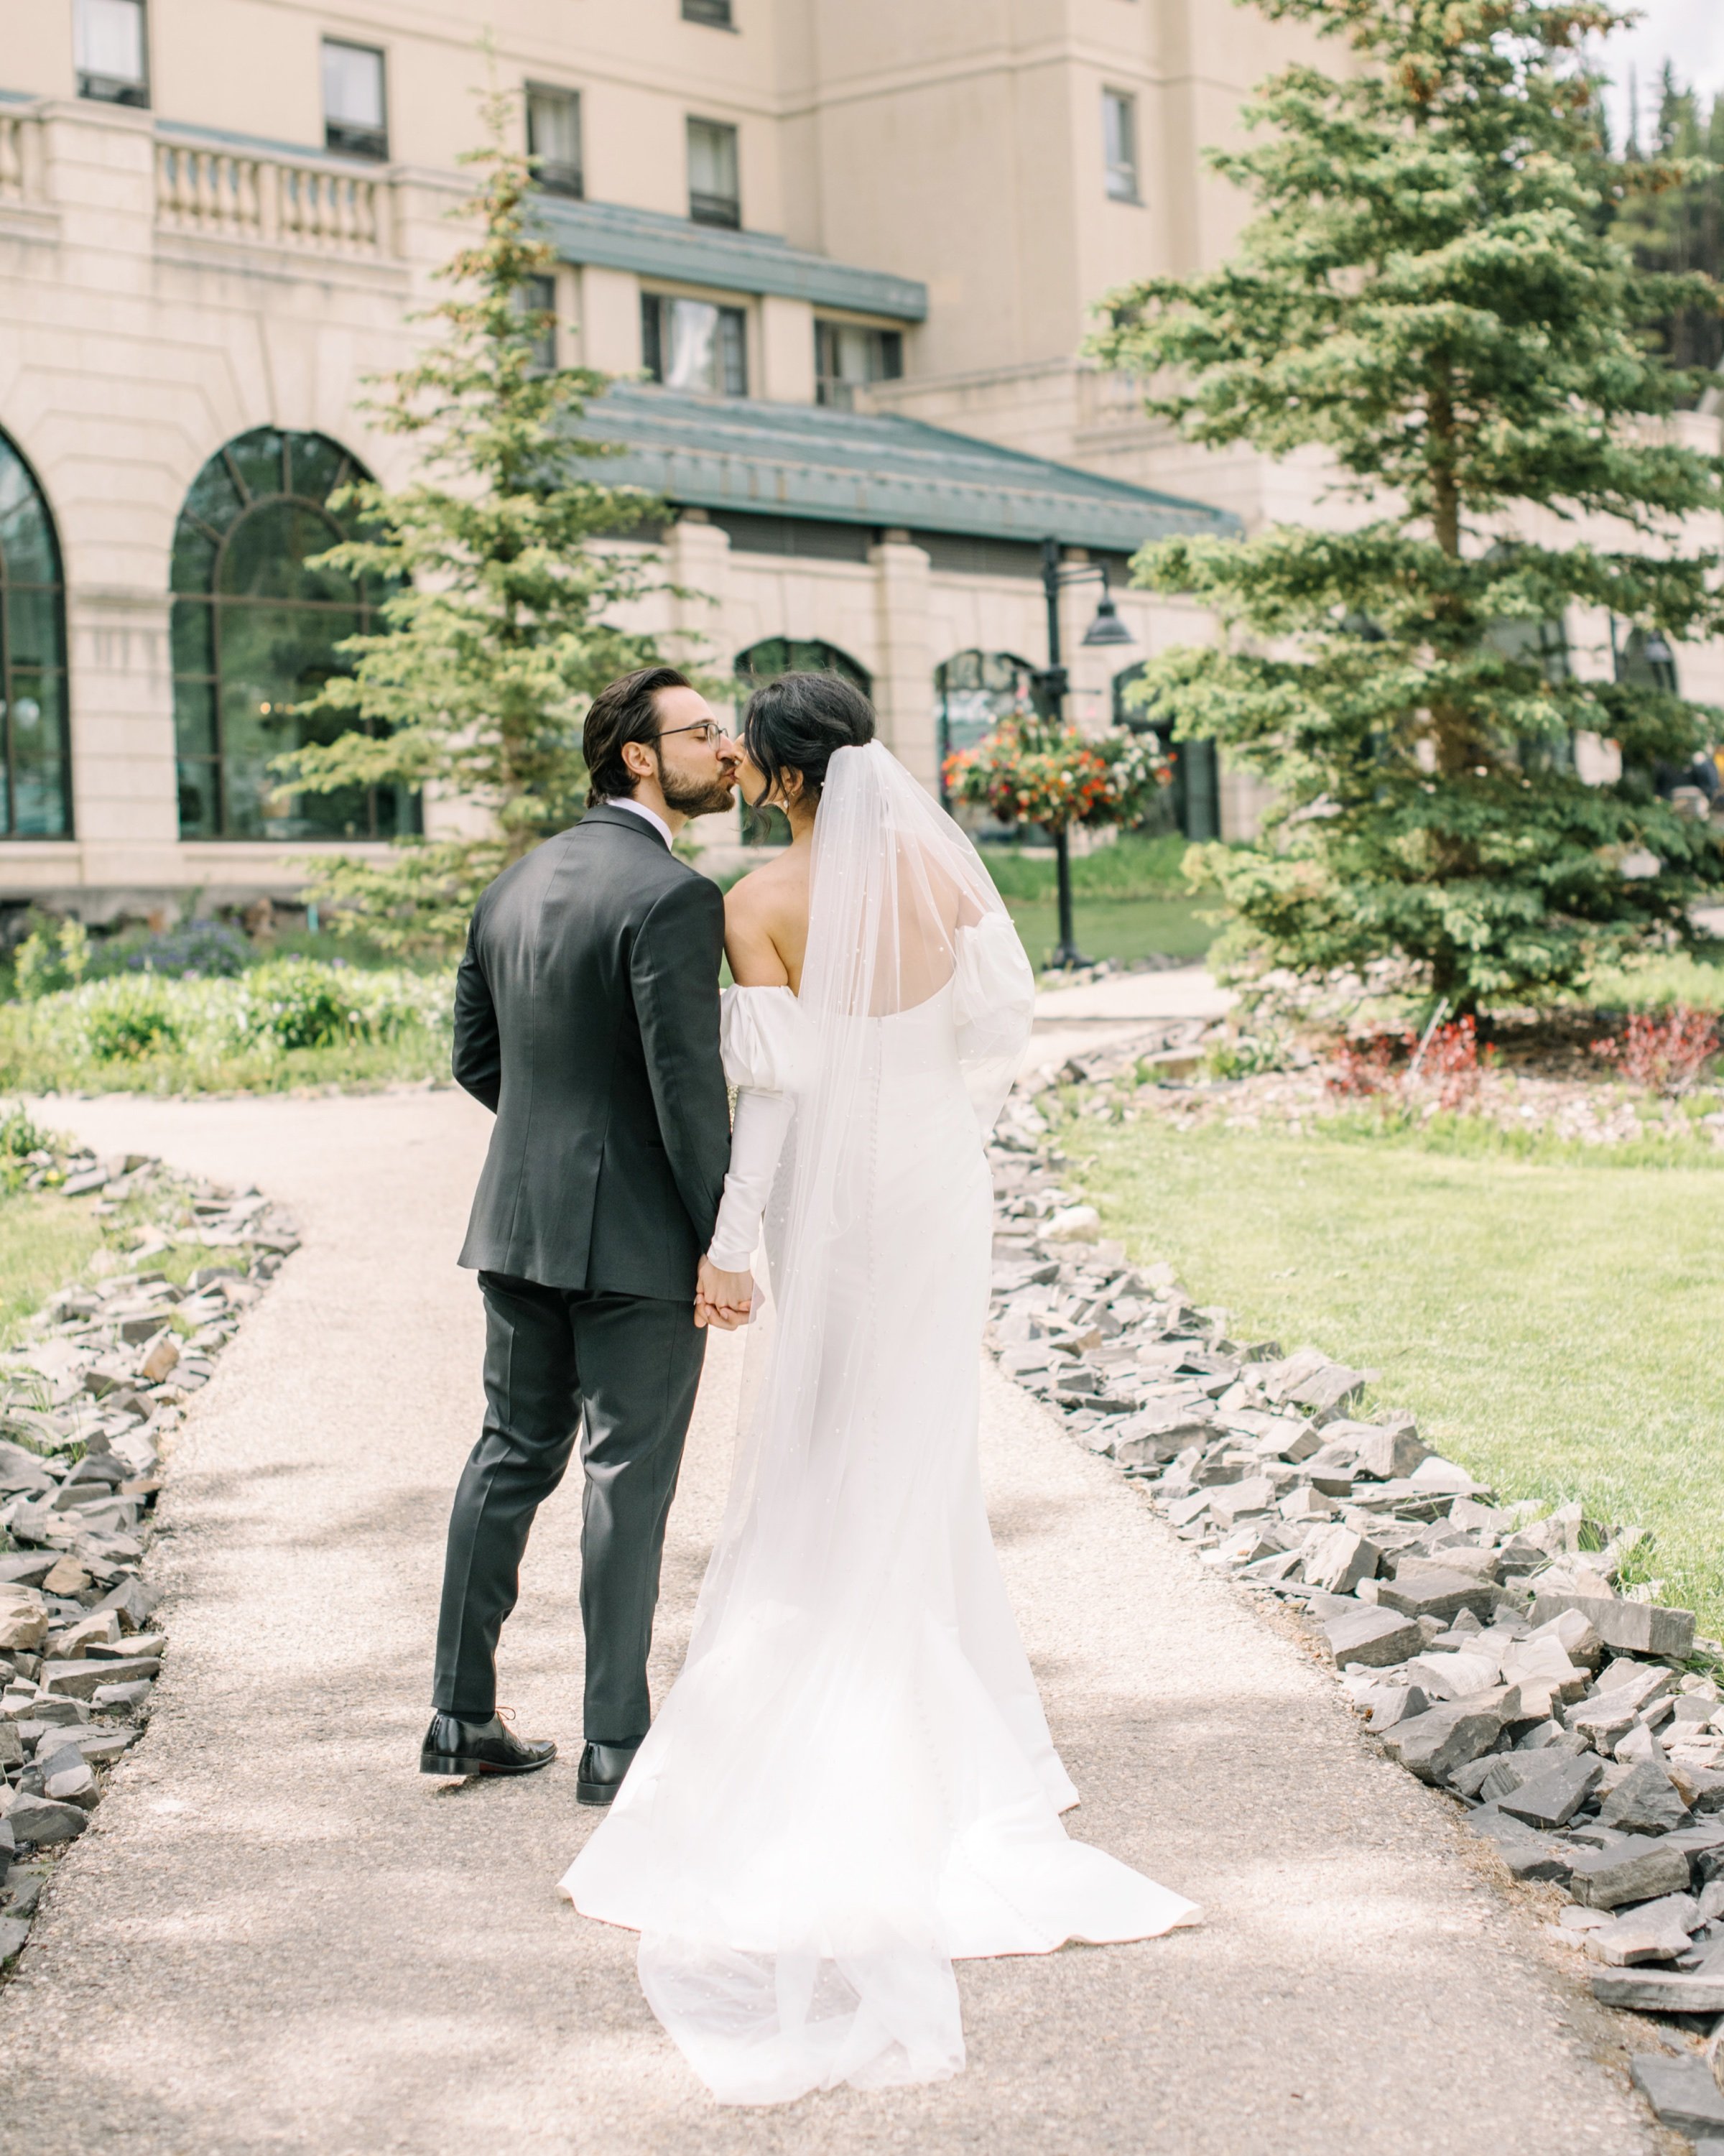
point(19, 1137)
point(1362, 1067)
point(54, 956)
point(1452, 1058)
point(1246, 1055)
point(298, 1003)
point(288, 1021)
point(1666, 1051)
point(128, 1017)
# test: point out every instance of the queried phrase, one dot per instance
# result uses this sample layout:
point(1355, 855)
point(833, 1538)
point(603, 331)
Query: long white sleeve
point(758, 1031)
point(757, 1140)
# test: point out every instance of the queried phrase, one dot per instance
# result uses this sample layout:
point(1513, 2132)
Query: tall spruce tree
point(1430, 294)
point(1681, 226)
point(497, 630)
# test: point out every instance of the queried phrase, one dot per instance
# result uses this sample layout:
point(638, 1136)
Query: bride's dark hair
point(800, 721)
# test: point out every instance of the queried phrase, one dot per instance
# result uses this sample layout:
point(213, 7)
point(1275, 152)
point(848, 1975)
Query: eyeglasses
point(709, 729)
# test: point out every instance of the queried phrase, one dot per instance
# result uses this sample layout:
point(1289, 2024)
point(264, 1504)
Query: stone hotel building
point(842, 252)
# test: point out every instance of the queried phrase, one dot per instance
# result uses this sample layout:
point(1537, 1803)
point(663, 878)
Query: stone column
point(787, 350)
point(126, 804)
point(697, 560)
point(904, 680)
point(610, 319)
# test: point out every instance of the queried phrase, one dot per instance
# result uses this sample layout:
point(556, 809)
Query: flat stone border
point(88, 1410)
point(1578, 1729)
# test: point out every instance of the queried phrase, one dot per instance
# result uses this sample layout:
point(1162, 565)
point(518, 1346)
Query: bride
point(851, 1783)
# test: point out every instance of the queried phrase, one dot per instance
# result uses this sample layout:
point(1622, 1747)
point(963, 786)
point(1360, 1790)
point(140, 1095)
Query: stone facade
point(938, 187)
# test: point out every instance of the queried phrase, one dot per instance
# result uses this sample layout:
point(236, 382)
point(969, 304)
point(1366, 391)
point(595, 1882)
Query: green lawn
point(1124, 928)
point(45, 1244)
point(1129, 899)
point(1558, 1329)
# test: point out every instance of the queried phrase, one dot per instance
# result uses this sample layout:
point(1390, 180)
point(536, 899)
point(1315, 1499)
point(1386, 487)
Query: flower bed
point(288, 1021)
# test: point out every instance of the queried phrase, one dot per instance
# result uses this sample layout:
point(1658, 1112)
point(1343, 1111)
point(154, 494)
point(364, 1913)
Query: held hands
point(721, 1298)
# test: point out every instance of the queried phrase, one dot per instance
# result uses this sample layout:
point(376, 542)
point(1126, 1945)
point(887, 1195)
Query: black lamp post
point(1053, 685)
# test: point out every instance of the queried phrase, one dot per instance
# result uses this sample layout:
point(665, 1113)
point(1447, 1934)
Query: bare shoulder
point(767, 922)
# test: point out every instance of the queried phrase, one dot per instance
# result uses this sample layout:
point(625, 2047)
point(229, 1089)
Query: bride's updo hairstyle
point(799, 722)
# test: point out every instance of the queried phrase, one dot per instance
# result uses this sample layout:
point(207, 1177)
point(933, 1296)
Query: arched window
point(38, 801)
point(1194, 799)
point(255, 633)
point(974, 692)
point(774, 656)
point(766, 661)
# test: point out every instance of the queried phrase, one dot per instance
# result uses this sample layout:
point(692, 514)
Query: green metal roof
point(735, 453)
point(618, 238)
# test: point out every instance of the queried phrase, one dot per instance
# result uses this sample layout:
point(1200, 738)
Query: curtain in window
point(108, 38)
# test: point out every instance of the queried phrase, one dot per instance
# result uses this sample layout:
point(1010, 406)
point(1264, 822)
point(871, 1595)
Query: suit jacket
point(586, 1019)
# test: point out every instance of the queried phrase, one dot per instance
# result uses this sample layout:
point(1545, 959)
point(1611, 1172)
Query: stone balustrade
point(245, 196)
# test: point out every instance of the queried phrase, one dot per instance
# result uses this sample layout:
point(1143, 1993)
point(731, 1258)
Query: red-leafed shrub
point(1453, 1059)
point(1362, 1067)
point(1666, 1051)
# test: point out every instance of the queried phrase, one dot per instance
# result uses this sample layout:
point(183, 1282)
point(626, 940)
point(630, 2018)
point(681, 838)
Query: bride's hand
point(721, 1298)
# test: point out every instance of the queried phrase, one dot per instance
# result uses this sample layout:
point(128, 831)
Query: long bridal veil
point(852, 1780)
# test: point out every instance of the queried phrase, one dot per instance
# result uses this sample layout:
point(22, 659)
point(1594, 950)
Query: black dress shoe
point(603, 1767)
point(452, 1747)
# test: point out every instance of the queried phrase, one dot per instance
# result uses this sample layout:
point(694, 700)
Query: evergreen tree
point(1681, 227)
point(496, 632)
point(1429, 293)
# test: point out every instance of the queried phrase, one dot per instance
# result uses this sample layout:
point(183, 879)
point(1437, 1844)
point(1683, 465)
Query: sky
point(1689, 32)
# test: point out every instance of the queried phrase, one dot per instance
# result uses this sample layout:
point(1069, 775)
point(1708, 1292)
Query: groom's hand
point(722, 1298)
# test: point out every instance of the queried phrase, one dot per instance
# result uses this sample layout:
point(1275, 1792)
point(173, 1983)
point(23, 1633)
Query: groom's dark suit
point(586, 1017)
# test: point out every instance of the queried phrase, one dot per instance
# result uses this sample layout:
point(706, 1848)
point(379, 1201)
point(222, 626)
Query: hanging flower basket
point(1028, 772)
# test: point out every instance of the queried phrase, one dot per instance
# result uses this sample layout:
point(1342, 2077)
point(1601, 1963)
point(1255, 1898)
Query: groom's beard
point(688, 798)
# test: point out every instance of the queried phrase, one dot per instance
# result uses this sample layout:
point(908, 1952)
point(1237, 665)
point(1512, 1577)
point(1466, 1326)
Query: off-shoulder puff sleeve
point(993, 1007)
point(758, 1031)
point(992, 984)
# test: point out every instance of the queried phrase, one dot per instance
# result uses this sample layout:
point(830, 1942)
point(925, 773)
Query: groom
point(586, 1019)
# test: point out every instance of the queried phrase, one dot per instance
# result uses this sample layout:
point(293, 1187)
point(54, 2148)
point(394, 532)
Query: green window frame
point(35, 733)
point(774, 656)
point(255, 631)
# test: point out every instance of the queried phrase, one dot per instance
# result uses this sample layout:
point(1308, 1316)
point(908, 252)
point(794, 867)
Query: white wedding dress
point(852, 1784)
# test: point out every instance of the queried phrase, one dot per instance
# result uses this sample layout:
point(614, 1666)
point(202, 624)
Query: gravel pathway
point(279, 1936)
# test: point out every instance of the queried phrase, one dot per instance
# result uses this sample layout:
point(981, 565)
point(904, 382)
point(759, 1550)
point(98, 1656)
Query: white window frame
point(1121, 159)
point(555, 175)
point(377, 146)
point(733, 201)
point(100, 84)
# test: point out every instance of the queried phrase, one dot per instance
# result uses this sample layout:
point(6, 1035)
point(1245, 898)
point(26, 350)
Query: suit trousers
point(620, 1372)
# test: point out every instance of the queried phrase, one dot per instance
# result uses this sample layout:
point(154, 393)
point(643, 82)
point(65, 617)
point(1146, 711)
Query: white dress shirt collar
point(647, 815)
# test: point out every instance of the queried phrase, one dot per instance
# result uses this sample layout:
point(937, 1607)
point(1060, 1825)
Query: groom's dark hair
point(627, 710)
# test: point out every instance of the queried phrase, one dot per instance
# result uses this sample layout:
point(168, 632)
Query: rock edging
point(87, 1406)
point(1577, 1728)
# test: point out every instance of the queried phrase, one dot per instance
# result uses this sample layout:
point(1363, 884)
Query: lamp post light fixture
point(1053, 685)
